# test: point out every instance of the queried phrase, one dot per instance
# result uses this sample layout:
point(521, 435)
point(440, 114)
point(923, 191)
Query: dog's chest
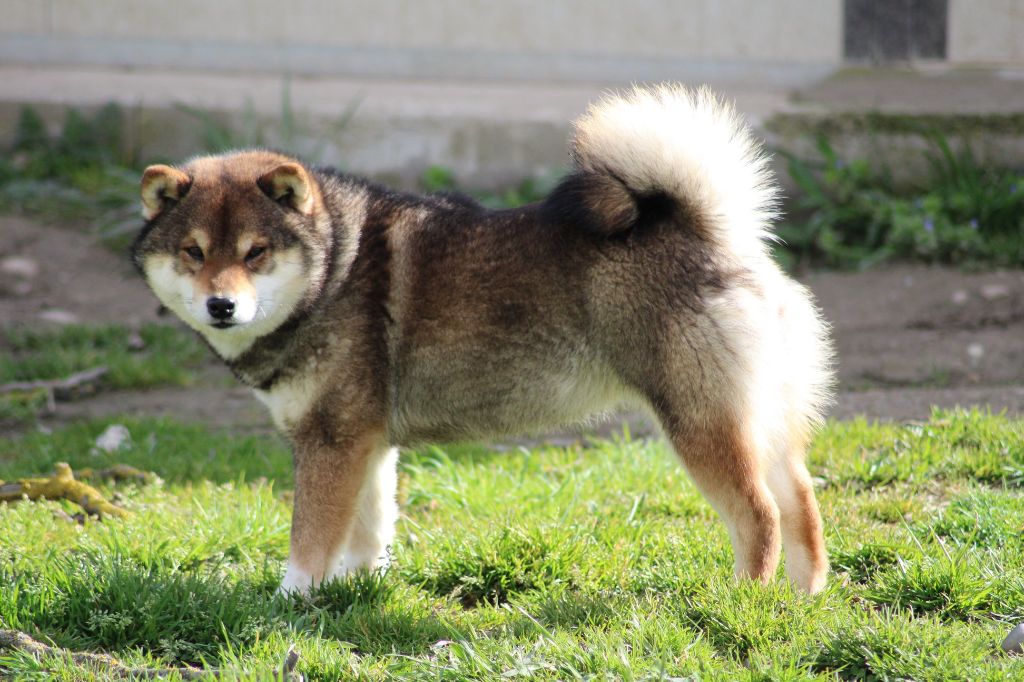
point(290, 400)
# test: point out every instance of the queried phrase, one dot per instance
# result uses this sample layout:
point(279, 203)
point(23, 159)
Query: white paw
point(296, 581)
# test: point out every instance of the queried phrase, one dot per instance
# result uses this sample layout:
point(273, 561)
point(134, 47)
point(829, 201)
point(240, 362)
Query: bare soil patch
point(907, 337)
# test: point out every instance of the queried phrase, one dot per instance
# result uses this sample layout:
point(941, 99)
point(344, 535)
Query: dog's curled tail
point(685, 144)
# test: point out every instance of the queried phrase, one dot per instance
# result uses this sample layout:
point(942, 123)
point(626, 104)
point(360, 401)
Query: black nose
point(220, 308)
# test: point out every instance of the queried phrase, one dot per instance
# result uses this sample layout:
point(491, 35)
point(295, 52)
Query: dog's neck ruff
point(267, 359)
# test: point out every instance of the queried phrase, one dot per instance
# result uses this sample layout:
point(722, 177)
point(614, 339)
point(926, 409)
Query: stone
point(115, 437)
point(1014, 642)
point(975, 351)
point(135, 342)
point(991, 292)
point(19, 266)
point(58, 316)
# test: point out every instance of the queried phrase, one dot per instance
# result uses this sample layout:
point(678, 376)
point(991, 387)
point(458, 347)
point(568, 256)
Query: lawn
point(597, 561)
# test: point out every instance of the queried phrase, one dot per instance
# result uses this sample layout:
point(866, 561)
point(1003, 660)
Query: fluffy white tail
point(691, 146)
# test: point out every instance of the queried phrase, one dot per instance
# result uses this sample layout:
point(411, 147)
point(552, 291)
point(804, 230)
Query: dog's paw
point(296, 581)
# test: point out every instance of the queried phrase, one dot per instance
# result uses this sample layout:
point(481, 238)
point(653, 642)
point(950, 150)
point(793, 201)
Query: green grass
point(168, 354)
point(597, 562)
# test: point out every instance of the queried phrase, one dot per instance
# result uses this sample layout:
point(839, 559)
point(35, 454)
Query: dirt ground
point(907, 337)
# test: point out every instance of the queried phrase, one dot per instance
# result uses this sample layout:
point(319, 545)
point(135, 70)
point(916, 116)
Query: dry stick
point(117, 473)
point(19, 641)
point(68, 388)
point(61, 486)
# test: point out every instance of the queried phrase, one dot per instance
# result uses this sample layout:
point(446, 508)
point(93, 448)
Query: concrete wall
point(504, 39)
point(986, 31)
point(779, 41)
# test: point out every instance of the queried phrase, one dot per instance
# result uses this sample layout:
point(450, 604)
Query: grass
point(588, 562)
point(168, 355)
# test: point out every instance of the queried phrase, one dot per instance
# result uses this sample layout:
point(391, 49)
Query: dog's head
point(232, 244)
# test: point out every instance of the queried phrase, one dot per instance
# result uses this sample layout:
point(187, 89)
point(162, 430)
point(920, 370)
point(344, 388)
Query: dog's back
point(650, 253)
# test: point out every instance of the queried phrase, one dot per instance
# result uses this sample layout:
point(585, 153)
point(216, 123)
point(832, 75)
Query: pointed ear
point(161, 184)
point(290, 185)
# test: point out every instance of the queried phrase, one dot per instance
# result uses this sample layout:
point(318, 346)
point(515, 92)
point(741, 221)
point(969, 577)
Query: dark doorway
point(894, 30)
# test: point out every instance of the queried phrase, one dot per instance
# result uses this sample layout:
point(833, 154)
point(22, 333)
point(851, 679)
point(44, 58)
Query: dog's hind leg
point(370, 539)
point(725, 464)
point(790, 483)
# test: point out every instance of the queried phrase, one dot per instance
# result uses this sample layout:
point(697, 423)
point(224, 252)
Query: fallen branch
point(75, 386)
point(117, 473)
point(62, 485)
point(19, 641)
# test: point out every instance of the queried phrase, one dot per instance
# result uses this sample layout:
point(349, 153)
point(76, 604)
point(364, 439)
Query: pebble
point(1014, 642)
point(991, 292)
point(975, 351)
point(58, 316)
point(113, 438)
point(960, 297)
point(19, 266)
point(136, 342)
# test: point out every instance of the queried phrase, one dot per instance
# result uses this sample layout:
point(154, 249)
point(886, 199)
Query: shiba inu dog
point(367, 319)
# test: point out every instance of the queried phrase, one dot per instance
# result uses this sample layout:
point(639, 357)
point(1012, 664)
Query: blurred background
point(897, 129)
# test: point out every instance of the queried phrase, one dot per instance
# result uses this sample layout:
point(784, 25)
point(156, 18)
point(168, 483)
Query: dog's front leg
point(330, 471)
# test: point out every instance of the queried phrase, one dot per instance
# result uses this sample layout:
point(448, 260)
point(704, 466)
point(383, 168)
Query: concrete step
point(492, 133)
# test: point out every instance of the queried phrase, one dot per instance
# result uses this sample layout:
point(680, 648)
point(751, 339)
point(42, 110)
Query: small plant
point(85, 173)
point(852, 215)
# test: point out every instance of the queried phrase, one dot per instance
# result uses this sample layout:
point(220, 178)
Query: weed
point(851, 214)
point(83, 172)
point(365, 588)
point(889, 648)
point(865, 561)
point(117, 604)
point(952, 586)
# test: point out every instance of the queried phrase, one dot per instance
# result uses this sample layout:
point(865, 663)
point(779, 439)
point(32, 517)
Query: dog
point(368, 319)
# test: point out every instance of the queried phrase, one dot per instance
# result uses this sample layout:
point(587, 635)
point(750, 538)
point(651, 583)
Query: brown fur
point(330, 475)
point(429, 318)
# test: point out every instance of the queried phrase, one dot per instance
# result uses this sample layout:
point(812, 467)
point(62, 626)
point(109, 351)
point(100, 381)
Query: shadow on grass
point(114, 604)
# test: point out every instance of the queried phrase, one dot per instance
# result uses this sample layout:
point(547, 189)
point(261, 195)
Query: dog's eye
point(255, 252)
point(194, 252)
